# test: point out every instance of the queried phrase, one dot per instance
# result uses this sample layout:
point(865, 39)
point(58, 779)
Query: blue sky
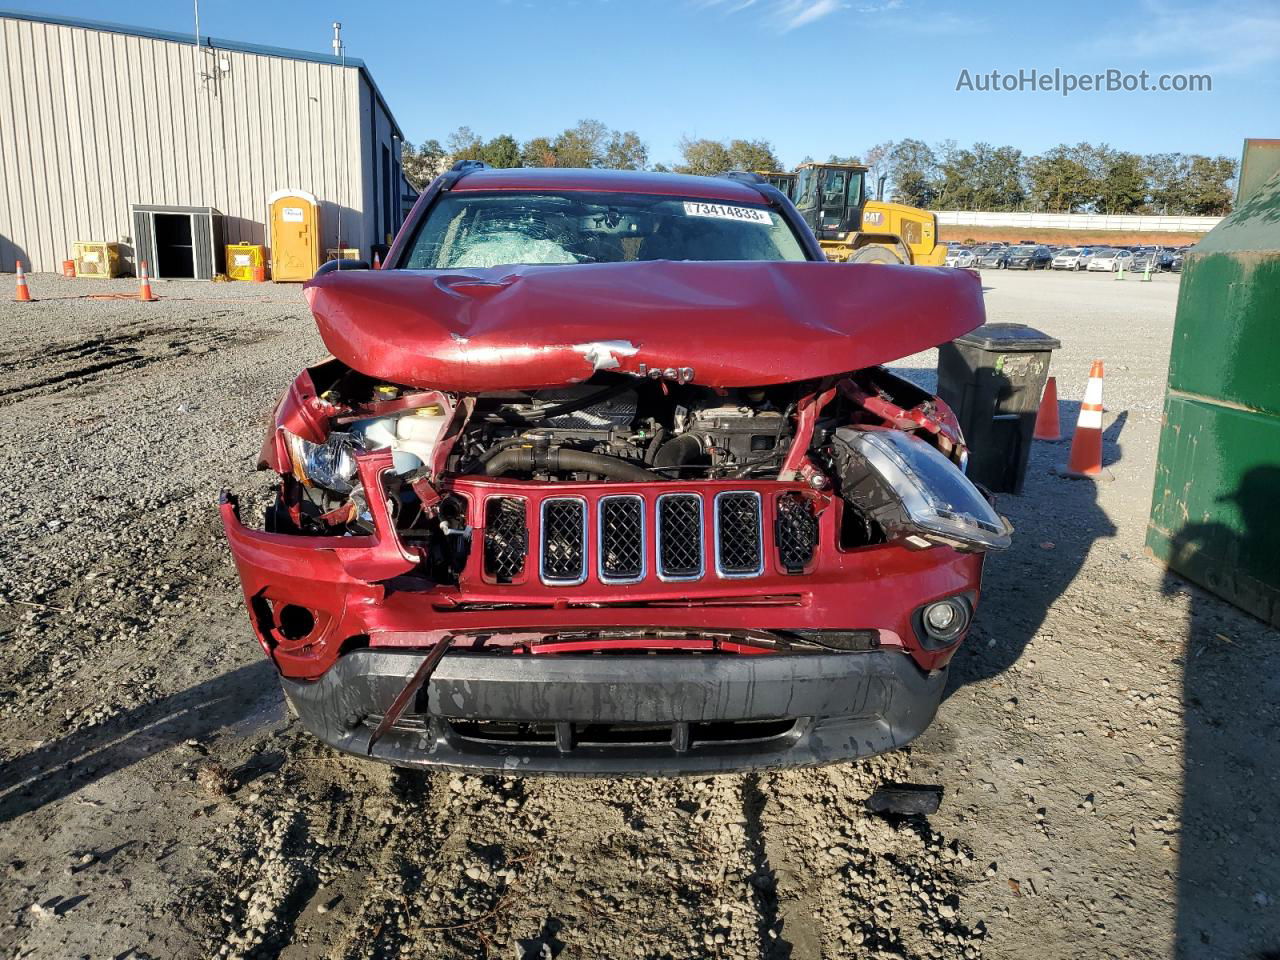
point(814, 77)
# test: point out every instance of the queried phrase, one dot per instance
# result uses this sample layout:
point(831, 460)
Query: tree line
point(1079, 178)
point(1076, 178)
point(589, 143)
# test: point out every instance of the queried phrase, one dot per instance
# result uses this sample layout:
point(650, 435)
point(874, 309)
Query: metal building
point(97, 119)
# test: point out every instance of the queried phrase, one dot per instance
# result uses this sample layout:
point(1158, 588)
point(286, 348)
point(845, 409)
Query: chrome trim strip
point(644, 526)
point(702, 547)
point(759, 569)
point(542, 545)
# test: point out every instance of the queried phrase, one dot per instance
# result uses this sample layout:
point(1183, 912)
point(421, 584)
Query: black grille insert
point(506, 538)
point(680, 536)
point(621, 538)
point(796, 532)
point(739, 731)
point(739, 551)
point(564, 540)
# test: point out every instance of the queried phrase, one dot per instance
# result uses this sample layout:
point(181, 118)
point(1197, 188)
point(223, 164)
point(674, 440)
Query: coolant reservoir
point(418, 432)
point(377, 433)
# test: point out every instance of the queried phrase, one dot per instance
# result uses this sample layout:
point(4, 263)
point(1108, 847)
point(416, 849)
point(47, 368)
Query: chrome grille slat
point(621, 525)
point(739, 541)
point(679, 536)
point(562, 541)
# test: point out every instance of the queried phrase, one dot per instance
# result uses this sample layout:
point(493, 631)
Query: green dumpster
point(1215, 511)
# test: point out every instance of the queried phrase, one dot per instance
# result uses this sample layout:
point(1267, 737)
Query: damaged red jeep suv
point(605, 476)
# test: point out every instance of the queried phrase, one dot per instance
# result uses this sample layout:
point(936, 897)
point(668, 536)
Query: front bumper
point(623, 714)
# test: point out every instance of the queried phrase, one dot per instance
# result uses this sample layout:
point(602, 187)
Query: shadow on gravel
point(764, 879)
point(1056, 522)
point(61, 767)
point(1229, 856)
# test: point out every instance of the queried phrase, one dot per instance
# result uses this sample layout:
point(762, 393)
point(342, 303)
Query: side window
point(855, 189)
point(805, 191)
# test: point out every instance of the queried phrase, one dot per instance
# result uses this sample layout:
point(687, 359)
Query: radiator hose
point(557, 459)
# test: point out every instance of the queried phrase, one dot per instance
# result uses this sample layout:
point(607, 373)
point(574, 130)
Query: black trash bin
point(992, 378)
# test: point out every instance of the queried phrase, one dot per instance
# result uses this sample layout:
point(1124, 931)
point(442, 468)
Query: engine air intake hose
point(678, 451)
point(556, 459)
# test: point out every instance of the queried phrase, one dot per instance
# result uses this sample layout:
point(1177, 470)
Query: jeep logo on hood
point(678, 374)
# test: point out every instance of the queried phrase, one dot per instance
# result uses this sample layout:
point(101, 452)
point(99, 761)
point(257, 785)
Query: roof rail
point(772, 195)
point(460, 170)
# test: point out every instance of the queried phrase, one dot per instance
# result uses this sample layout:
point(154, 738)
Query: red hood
point(736, 324)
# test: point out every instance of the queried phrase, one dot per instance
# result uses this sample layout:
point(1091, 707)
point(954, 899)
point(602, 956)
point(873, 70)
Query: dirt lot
point(1109, 746)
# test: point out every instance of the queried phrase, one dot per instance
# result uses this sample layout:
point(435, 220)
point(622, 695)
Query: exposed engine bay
point(881, 444)
point(627, 431)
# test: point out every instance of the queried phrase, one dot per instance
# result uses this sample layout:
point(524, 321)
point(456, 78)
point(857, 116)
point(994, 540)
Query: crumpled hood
point(735, 324)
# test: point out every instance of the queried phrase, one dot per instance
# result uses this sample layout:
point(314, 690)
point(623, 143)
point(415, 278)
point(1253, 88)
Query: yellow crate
point(346, 253)
point(97, 259)
point(242, 258)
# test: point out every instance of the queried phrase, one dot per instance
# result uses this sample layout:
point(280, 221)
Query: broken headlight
point(331, 464)
point(914, 492)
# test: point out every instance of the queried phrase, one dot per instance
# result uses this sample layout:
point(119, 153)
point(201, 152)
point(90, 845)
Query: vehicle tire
point(874, 253)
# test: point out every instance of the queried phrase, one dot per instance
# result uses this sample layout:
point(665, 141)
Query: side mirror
point(332, 265)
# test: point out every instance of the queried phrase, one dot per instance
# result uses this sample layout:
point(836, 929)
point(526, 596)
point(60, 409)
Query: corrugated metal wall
point(92, 122)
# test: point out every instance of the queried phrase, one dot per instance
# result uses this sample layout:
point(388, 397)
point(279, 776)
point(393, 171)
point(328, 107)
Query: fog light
point(945, 620)
point(296, 622)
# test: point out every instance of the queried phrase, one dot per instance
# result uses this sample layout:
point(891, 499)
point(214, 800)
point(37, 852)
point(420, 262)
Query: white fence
point(1078, 221)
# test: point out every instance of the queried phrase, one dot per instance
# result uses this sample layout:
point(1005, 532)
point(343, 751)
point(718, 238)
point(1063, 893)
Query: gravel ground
point(1108, 745)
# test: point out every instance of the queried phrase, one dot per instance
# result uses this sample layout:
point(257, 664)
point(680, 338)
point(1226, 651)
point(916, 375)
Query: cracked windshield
point(489, 230)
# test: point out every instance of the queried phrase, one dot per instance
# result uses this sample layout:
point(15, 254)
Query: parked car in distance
point(1071, 258)
point(994, 259)
point(1144, 260)
point(1110, 259)
point(1029, 258)
point(959, 257)
point(507, 537)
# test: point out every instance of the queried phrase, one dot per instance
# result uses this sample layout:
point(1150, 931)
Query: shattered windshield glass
point(473, 229)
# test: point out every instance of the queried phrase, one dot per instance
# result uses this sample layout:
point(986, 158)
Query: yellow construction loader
point(832, 198)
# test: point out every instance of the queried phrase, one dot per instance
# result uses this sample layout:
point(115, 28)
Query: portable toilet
point(294, 220)
point(1213, 510)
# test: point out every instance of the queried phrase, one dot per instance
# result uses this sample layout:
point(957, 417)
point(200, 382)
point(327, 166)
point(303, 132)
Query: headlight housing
point(910, 489)
point(331, 465)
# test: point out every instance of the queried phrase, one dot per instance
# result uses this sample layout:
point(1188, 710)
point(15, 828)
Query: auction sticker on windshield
point(720, 211)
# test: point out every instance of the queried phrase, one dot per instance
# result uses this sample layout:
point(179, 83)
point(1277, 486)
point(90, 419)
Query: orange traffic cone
point(377, 262)
point(144, 284)
point(1047, 425)
point(24, 294)
point(1085, 459)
